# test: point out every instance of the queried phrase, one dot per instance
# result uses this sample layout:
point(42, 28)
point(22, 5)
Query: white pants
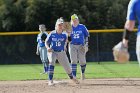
point(138, 48)
point(43, 54)
point(76, 54)
point(62, 58)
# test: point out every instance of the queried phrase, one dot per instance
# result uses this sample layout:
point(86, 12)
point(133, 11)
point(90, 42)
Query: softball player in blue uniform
point(78, 45)
point(41, 49)
point(56, 44)
point(133, 12)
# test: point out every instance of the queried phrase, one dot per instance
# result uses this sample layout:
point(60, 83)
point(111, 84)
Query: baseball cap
point(74, 16)
point(59, 21)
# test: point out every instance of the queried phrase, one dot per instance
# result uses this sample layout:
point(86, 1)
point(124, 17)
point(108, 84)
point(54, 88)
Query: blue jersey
point(57, 41)
point(134, 11)
point(40, 41)
point(79, 34)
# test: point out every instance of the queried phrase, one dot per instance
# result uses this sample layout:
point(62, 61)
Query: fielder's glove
point(43, 37)
point(67, 27)
point(120, 53)
point(85, 48)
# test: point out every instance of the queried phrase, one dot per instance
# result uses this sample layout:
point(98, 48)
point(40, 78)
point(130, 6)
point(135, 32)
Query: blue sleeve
point(130, 12)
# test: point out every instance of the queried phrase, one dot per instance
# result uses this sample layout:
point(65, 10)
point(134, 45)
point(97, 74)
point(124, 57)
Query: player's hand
point(82, 48)
point(37, 53)
point(49, 50)
point(125, 43)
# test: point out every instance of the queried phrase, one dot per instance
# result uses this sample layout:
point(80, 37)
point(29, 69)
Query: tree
point(12, 15)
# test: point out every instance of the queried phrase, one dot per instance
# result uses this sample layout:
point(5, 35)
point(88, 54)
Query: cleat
point(50, 83)
point(75, 81)
point(44, 73)
point(82, 76)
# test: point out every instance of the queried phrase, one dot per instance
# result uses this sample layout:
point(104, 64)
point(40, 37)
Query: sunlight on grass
point(93, 70)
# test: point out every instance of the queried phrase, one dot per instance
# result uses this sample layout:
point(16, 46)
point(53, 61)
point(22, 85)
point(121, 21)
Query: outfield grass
point(94, 70)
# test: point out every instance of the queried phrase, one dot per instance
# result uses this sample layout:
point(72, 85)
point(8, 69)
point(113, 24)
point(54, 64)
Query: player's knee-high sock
point(70, 76)
point(83, 67)
point(50, 72)
point(74, 69)
point(45, 67)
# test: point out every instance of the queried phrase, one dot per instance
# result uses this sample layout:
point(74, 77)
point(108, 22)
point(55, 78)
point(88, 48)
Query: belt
point(76, 44)
point(58, 50)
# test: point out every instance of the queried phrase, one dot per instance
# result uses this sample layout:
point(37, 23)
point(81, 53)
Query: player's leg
point(43, 56)
point(73, 58)
point(45, 59)
point(82, 61)
point(52, 59)
point(42, 60)
point(138, 48)
point(63, 60)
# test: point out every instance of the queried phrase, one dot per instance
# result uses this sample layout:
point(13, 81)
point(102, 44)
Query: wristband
point(126, 34)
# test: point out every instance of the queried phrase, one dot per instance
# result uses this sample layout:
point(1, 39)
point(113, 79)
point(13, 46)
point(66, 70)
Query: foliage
point(97, 14)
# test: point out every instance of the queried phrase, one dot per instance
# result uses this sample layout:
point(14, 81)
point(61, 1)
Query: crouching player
point(56, 44)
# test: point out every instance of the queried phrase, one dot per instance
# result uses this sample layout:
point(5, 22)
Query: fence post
point(97, 38)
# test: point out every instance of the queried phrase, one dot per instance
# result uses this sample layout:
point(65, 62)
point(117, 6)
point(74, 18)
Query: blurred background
point(26, 15)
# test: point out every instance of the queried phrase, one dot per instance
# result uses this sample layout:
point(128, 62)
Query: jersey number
point(58, 43)
point(76, 36)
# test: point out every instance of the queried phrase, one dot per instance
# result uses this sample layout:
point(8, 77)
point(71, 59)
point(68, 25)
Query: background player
point(77, 46)
point(56, 44)
point(41, 49)
point(133, 12)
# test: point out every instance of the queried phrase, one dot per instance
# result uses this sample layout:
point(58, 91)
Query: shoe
point(44, 73)
point(82, 76)
point(75, 81)
point(50, 83)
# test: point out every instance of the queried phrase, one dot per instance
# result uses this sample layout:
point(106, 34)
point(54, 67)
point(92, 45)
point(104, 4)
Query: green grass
point(93, 70)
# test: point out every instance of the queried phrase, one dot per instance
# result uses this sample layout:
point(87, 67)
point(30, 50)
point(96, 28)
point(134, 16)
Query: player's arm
point(129, 26)
point(69, 37)
point(37, 49)
point(86, 34)
point(66, 42)
point(47, 43)
point(130, 23)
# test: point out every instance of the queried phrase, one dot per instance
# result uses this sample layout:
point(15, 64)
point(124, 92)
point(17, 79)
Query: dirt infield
point(121, 85)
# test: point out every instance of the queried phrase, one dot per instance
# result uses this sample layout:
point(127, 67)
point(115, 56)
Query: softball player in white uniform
point(78, 45)
point(55, 43)
point(41, 49)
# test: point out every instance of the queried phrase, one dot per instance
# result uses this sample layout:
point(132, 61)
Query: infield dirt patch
point(119, 85)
